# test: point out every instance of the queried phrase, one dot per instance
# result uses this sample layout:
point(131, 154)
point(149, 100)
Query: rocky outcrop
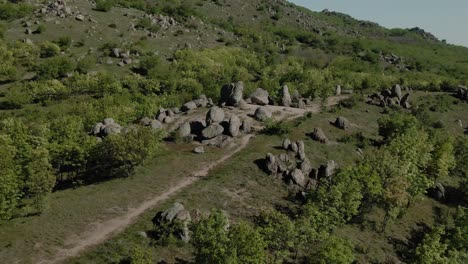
point(189, 106)
point(175, 219)
point(260, 97)
point(462, 93)
point(246, 126)
point(262, 113)
point(328, 170)
point(392, 98)
point(184, 130)
point(232, 94)
point(106, 128)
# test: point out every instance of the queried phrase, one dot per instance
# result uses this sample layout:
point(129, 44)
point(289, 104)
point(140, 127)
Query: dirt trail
point(99, 232)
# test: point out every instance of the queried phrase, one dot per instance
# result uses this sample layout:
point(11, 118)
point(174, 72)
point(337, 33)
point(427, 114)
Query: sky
point(446, 19)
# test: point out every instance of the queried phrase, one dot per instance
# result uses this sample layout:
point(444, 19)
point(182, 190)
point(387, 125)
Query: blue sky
point(446, 19)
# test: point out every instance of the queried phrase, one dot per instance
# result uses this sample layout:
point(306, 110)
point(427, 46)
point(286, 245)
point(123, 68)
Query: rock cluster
point(56, 8)
point(105, 128)
point(295, 168)
point(392, 97)
point(216, 130)
point(462, 93)
point(175, 219)
point(232, 94)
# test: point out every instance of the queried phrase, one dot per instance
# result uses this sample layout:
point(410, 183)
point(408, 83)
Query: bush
point(63, 42)
point(273, 127)
point(43, 91)
point(104, 5)
point(10, 11)
point(40, 29)
point(54, 68)
point(49, 49)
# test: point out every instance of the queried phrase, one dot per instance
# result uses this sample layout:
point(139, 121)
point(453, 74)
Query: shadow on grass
point(405, 248)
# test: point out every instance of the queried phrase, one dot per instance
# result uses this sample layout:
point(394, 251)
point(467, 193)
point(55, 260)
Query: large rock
point(161, 114)
point(283, 162)
point(294, 147)
point(298, 178)
point(202, 101)
point(302, 104)
point(462, 93)
point(212, 131)
point(260, 97)
point(319, 135)
point(214, 115)
point(145, 121)
point(271, 163)
point(285, 96)
point(97, 129)
point(175, 219)
point(327, 170)
point(234, 125)
point(306, 167)
point(301, 150)
point(342, 123)
point(262, 113)
point(189, 106)
point(155, 124)
point(111, 129)
point(231, 94)
point(338, 90)
point(286, 144)
point(184, 130)
point(396, 91)
point(108, 121)
point(246, 126)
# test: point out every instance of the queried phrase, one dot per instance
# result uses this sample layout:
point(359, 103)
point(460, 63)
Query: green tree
point(443, 158)
point(247, 244)
point(10, 191)
point(42, 91)
point(432, 249)
point(211, 240)
point(334, 250)
point(49, 49)
point(279, 234)
point(396, 124)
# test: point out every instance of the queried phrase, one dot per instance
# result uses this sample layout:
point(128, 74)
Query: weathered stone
point(212, 131)
point(184, 130)
point(189, 106)
point(342, 123)
point(218, 141)
point(199, 150)
point(234, 125)
point(97, 129)
point(327, 170)
point(306, 167)
point(262, 113)
point(168, 120)
point(80, 17)
point(110, 129)
point(246, 126)
point(108, 121)
point(285, 96)
point(301, 150)
point(319, 135)
point(145, 121)
point(155, 124)
point(286, 144)
point(161, 114)
point(338, 90)
point(301, 104)
point(176, 217)
point(396, 91)
point(294, 147)
point(232, 94)
point(283, 162)
point(298, 178)
point(271, 163)
point(259, 97)
point(214, 115)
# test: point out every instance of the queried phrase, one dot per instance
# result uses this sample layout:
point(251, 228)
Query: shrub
point(54, 68)
point(104, 5)
point(42, 91)
point(49, 49)
point(273, 127)
point(10, 11)
point(40, 29)
point(63, 42)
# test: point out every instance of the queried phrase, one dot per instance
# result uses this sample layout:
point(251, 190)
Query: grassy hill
point(67, 65)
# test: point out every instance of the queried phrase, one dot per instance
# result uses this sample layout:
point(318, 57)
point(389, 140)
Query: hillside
point(227, 131)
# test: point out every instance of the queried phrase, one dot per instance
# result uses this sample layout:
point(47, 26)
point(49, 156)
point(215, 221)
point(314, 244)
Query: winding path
point(102, 231)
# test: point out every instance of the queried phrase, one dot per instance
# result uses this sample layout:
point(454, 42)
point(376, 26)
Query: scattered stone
point(294, 147)
point(262, 113)
point(396, 91)
point(306, 167)
point(460, 123)
point(80, 17)
point(285, 96)
point(212, 131)
point(260, 97)
point(328, 170)
point(155, 124)
point(319, 135)
point(199, 150)
point(145, 121)
point(161, 114)
point(214, 115)
point(168, 120)
point(440, 191)
point(301, 104)
point(301, 150)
